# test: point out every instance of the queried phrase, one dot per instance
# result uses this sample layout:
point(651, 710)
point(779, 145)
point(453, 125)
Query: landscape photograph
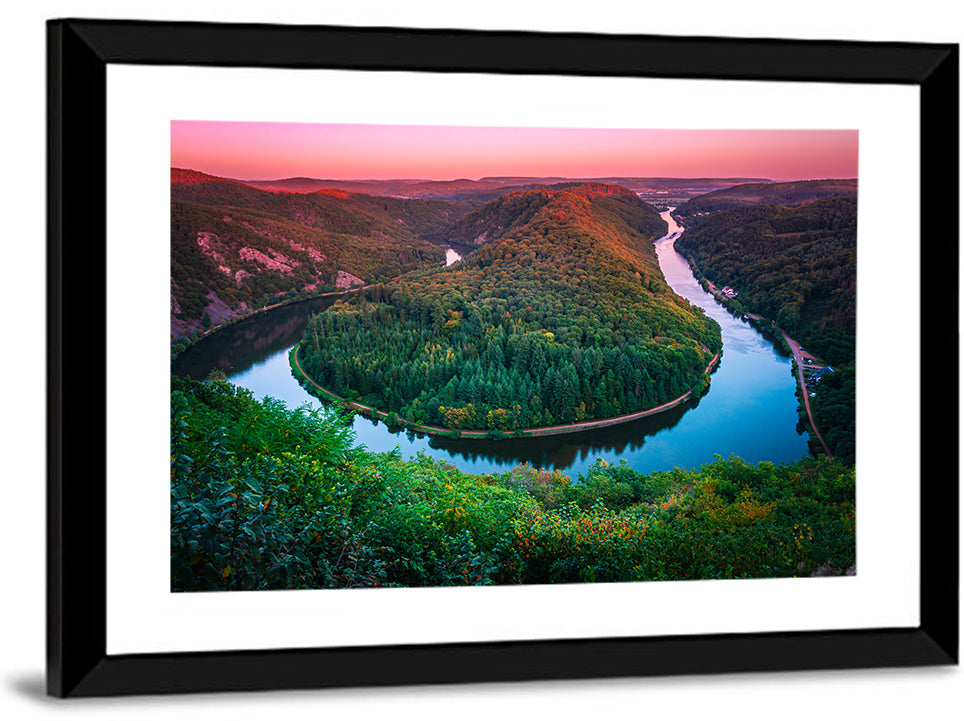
point(424, 356)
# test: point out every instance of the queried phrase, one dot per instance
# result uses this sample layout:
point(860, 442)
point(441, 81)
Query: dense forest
point(561, 315)
point(263, 497)
point(235, 247)
point(796, 265)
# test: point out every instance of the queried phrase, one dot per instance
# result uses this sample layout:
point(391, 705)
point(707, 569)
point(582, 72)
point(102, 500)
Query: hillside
point(762, 193)
point(517, 208)
point(235, 247)
point(793, 264)
point(561, 315)
point(329, 209)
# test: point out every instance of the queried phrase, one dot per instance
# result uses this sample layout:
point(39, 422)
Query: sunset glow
point(268, 151)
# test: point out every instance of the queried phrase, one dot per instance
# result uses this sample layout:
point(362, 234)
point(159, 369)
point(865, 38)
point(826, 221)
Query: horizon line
point(594, 178)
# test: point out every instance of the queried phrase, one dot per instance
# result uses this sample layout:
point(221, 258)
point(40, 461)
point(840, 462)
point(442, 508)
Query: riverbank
point(791, 345)
point(186, 341)
point(494, 434)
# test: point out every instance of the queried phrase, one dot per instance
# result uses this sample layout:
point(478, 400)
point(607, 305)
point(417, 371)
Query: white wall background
point(917, 693)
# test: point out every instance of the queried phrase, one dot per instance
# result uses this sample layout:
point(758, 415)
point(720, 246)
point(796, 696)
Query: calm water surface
point(750, 410)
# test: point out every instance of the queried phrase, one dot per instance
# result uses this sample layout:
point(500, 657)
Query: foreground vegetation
point(263, 497)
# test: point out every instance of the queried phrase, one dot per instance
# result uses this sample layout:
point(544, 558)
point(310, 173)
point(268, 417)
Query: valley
point(510, 380)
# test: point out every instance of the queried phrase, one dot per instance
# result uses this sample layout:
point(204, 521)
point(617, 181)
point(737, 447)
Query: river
point(749, 411)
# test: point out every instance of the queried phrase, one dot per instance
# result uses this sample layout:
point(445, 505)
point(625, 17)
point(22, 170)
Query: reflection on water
point(237, 348)
point(749, 411)
point(567, 451)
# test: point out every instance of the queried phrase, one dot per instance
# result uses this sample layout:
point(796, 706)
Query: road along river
point(749, 411)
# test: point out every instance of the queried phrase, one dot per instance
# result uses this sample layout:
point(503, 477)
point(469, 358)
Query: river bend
point(749, 411)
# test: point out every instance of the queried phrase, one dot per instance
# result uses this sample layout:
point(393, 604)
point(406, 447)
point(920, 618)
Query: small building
point(819, 373)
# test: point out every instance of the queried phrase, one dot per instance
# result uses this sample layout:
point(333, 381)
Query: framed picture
point(136, 108)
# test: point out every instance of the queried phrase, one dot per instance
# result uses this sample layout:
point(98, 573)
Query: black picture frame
point(79, 52)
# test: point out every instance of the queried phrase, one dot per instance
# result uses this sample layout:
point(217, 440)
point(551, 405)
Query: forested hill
point(235, 247)
point(517, 208)
point(561, 315)
point(763, 193)
point(795, 265)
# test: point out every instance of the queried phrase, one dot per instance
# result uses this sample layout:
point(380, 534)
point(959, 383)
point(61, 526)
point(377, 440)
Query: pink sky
point(270, 151)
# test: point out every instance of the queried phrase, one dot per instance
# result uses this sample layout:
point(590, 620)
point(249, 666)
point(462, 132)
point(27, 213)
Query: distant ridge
point(799, 191)
point(491, 187)
point(621, 179)
point(185, 176)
